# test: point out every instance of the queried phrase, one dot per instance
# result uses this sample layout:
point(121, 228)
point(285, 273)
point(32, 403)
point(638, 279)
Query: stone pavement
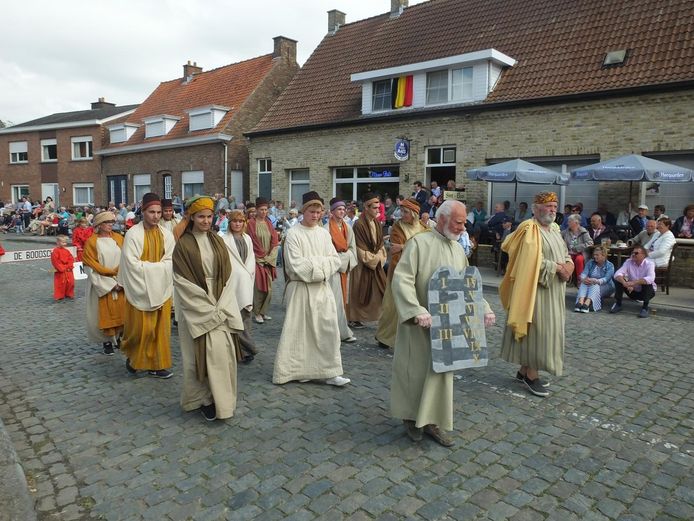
point(613, 441)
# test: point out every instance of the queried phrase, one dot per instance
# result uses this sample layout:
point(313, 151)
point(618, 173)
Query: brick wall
point(609, 128)
point(65, 172)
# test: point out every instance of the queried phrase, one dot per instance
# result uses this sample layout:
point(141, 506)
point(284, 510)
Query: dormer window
point(156, 126)
point(207, 117)
point(463, 78)
point(122, 132)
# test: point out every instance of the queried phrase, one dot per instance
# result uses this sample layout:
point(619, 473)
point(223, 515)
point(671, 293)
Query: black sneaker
point(108, 348)
point(616, 307)
point(161, 373)
point(585, 308)
point(521, 379)
point(578, 307)
point(535, 387)
point(356, 325)
point(129, 367)
point(209, 412)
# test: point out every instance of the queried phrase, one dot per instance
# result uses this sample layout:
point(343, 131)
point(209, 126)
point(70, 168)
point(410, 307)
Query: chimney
point(284, 48)
point(397, 7)
point(335, 20)
point(189, 69)
point(102, 104)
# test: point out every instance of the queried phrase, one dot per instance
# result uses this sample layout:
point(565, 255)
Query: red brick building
point(54, 156)
point(187, 136)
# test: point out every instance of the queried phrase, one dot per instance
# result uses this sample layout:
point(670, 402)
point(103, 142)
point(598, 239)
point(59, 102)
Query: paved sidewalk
point(613, 441)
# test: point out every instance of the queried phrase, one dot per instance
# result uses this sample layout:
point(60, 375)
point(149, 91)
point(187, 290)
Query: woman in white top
point(661, 244)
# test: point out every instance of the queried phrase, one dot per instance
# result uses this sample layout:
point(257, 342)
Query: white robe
point(309, 347)
point(147, 285)
point(242, 272)
point(199, 314)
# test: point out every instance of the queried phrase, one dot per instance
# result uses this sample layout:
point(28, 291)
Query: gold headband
point(202, 203)
point(546, 197)
point(410, 206)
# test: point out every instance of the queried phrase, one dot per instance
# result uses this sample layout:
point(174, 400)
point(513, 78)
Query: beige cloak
point(348, 261)
point(199, 315)
point(417, 392)
point(109, 254)
point(309, 347)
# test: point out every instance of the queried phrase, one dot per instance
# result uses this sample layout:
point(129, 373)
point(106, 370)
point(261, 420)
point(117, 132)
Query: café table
point(618, 254)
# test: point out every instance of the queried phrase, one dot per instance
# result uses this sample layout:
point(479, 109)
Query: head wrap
point(198, 203)
point(336, 202)
point(261, 201)
point(370, 196)
point(102, 217)
point(545, 197)
point(166, 203)
point(411, 204)
point(149, 199)
point(309, 199)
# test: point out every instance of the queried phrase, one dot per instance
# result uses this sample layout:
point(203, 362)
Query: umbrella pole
point(515, 195)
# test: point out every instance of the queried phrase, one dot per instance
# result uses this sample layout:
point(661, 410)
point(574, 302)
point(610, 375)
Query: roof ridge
point(219, 68)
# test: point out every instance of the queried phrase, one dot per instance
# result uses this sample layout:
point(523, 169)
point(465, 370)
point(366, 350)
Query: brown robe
point(367, 282)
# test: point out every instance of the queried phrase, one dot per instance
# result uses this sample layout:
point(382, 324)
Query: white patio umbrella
point(518, 171)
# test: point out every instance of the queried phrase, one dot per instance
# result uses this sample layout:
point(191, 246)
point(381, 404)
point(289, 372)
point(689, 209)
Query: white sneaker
point(258, 319)
point(303, 381)
point(350, 340)
point(267, 317)
point(339, 381)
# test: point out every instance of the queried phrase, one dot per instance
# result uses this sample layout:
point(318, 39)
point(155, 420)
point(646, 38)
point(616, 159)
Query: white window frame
point(19, 191)
point(264, 168)
point(443, 149)
point(201, 118)
point(90, 194)
point(138, 181)
point(16, 149)
point(298, 182)
point(76, 142)
point(354, 180)
point(45, 143)
point(192, 178)
point(121, 132)
point(465, 83)
point(381, 96)
point(157, 126)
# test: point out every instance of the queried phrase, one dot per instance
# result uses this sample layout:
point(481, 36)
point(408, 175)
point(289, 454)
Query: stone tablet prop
point(458, 339)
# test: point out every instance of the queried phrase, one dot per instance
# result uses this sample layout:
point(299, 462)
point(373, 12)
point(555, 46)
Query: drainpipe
point(226, 171)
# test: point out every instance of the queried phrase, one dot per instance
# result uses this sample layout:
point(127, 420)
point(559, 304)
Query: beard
point(450, 235)
point(547, 218)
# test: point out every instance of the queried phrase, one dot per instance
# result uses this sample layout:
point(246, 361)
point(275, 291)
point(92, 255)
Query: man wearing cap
point(638, 222)
point(404, 229)
point(533, 294)
point(309, 346)
point(343, 240)
point(146, 276)
point(265, 245)
point(420, 397)
point(368, 280)
point(168, 217)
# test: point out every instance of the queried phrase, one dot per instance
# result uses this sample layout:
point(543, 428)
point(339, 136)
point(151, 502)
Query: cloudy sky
point(59, 56)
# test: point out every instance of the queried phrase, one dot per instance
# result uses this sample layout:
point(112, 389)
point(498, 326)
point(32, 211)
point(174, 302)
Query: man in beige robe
point(367, 283)
point(420, 397)
point(343, 240)
point(169, 219)
point(533, 292)
point(309, 346)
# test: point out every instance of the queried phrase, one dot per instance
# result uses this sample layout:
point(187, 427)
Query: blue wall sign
point(402, 150)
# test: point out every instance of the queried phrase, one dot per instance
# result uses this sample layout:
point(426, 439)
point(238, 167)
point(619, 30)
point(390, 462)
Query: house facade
point(54, 156)
point(424, 93)
point(187, 137)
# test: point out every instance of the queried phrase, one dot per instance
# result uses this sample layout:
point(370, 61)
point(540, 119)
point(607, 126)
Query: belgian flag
point(401, 92)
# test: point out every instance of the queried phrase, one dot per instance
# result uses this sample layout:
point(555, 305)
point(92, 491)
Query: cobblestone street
point(613, 441)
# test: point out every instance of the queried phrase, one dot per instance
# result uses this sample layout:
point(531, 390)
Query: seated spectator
point(431, 206)
point(506, 230)
point(466, 243)
point(658, 211)
point(595, 282)
point(638, 222)
point(644, 235)
point(522, 214)
point(507, 209)
point(599, 231)
point(608, 217)
point(637, 278)
point(436, 189)
point(495, 221)
point(684, 225)
point(221, 223)
point(577, 241)
point(661, 244)
point(426, 221)
point(80, 234)
point(565, 220)
point(625, 216)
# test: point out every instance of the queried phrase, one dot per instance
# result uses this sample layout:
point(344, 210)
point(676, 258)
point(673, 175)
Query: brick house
point(53, 155)
point(464, 84)
point(187, 136)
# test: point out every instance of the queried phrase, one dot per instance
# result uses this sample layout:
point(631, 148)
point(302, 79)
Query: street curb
point(16, 503)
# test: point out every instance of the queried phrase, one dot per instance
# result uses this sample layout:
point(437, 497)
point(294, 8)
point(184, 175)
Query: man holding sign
point(422, 398)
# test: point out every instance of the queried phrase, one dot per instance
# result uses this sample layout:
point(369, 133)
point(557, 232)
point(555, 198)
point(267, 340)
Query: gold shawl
point(518, 289)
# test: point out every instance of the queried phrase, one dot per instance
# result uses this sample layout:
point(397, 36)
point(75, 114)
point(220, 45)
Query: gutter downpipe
point(226, 171)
